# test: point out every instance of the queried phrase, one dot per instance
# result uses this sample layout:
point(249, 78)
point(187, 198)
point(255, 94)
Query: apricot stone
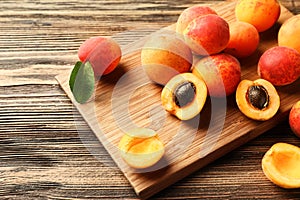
point(289, 33)
point(103, 53)
point(221, 73)
point(257, 99)
point(279, 65)
point(294, 118)
point(184, 96)
point(164, 56)
point(262, 14)
point(244, 39)
point(190, 14)
point(207, 35)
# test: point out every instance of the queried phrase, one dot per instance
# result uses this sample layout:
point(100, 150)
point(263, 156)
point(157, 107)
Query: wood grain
point(126, 99)
point(43, 157)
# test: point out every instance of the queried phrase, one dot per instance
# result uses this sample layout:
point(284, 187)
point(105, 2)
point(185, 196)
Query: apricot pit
point(257, 99)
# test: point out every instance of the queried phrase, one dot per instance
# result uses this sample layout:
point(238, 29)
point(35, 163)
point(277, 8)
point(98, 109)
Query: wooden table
point(42, 154)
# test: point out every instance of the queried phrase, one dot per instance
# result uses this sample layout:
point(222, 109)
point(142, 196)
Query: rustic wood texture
point(43, 156)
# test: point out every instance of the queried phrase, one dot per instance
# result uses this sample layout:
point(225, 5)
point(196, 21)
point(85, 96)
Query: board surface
point(126, 98)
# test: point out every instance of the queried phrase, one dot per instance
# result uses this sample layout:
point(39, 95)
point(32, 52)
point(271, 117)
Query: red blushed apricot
point(207, 35)
point(104, 54)
point(289, 33)
point(220, 72)
point(279, 65)
point(190, 14)
point(262, 14)
point(244, 39)
point(294, 118)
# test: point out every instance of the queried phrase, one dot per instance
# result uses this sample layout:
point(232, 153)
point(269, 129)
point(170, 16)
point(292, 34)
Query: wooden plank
point(126, 98)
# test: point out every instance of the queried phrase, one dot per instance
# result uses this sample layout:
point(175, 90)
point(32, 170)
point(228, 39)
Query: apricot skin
point(289, 33)
point(221, 73)
point(103, 53)
point(191, 13)
point(164, 56)
point(262, 14)
point(279, 65)
point(294, 119)
point(244, 39)
point(207, 35)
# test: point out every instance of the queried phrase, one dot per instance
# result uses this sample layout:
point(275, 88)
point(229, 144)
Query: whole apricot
point(279, 65)
point(103, 53)
point(220, 72)
point(262, 14)
point(289, 33)
point(207, 35)
point(164, 56)
point(191, 13)
point(244, 39)
point(294, 118)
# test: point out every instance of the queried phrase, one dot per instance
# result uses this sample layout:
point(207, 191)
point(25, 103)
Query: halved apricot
point(184, 96)
point(281, 165)
point(141, 148)
point(257, 99)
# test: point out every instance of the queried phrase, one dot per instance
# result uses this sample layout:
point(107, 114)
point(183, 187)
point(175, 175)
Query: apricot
point(184, 96)
point(262, 14)
point(281, 165)
point(279, 65)
point(103, 53)
point(141, 148)
point(207, 35)
point(289, 33)
point(244, 39)
point(220, 72)
point(294, 118)
point(191, 13)
point(164, 56)
point(257, 99)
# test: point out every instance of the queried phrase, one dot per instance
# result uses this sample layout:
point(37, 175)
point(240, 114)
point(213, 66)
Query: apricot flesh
point(289, 33)
point(141, 148)
point(281, 165)
point(262, 14)
point(269, 106)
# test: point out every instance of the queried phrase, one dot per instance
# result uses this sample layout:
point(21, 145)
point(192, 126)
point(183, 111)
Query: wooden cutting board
point(126, 98)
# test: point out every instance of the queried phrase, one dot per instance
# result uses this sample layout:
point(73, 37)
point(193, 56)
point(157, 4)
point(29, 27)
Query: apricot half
point(281, 165)
point(184, 96)
point(141, 148)
point(257, 99)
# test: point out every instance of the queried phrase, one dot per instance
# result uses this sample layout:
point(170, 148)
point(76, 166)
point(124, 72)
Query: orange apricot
point(262, 14)
point(244, 39)
point(289, 33)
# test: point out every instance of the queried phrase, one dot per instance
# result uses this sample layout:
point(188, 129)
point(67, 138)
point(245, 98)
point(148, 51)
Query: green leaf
point(82, 81)
point(74, 74)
